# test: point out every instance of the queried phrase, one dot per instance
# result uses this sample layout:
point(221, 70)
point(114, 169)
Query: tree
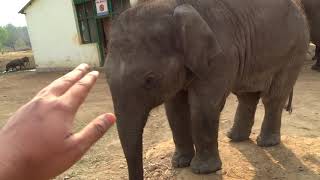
point(20, 43)
point(25, 36)
point(12, 36)
point(3, 37)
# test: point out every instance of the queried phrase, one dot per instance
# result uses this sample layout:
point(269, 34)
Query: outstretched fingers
point(82, 141)
point(63, 84)
point(75, 96)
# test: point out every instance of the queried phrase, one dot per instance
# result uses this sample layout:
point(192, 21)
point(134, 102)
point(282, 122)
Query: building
point(65, 33)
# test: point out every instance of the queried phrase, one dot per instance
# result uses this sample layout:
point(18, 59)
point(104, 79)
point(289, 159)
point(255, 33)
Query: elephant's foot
point(205, 166)
point(266, 140)
point(181, 160)
point(237, 134)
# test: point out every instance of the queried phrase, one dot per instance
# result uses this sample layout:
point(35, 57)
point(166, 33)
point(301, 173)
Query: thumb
point(93, 132)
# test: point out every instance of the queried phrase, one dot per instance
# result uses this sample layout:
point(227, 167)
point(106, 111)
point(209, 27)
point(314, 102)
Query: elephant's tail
point(289, 105)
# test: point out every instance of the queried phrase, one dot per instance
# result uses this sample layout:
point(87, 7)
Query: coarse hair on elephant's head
point(151, 58)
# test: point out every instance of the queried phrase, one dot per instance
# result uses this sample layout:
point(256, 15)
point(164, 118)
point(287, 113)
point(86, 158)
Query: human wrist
point(11, 163)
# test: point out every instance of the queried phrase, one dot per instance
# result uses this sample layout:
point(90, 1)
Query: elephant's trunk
point(130, 129)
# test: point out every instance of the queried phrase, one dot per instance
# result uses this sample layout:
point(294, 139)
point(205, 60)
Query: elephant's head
point(155, 49)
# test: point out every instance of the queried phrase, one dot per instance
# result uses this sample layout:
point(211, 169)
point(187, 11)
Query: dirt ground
point(298, 157)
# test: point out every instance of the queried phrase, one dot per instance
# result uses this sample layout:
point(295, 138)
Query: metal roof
point(25, 7)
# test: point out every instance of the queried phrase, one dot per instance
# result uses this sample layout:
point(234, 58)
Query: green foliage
point(3, 37)
point(14, 37)
point(20, 43)
point(11, 36)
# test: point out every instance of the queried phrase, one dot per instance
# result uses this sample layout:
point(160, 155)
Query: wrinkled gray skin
point(191, 55)
point(312, 10)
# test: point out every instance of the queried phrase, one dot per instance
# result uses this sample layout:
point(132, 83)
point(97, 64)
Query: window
point(88, 17)
point(87, 22)
point(119, 5)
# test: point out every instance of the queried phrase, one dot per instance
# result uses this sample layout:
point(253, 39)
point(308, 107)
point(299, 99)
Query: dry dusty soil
point(298, 157)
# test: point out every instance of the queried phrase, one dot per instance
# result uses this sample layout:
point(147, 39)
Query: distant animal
point(26, 61)
point(14, 64)
point(316, 57)
point(311, 9)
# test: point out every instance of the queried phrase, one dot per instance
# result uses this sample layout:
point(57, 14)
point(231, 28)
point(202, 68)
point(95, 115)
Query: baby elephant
point(191, 55)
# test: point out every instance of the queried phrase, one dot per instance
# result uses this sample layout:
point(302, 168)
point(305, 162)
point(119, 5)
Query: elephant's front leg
point(178, 113)
point(205, 107)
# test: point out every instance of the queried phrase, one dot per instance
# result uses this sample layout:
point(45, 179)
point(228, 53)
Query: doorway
point(104, 27)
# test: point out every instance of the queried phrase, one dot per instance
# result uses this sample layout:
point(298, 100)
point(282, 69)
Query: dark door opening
point(106, 27)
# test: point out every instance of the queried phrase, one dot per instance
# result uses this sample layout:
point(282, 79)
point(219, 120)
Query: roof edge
point(22, 11)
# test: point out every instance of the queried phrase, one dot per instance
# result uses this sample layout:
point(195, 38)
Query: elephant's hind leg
point(270, 130)
point(178, 114)
point(244, 117)
point(274, 102)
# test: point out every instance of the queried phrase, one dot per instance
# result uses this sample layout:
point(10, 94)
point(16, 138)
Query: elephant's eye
point(150, 81)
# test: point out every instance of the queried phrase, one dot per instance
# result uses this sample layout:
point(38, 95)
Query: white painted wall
point(55, 38)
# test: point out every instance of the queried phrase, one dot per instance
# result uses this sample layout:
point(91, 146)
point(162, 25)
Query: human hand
point(37, 142)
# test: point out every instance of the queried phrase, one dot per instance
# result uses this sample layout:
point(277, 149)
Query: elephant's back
point(272, 25)
point(264, 36)
point(257, 26)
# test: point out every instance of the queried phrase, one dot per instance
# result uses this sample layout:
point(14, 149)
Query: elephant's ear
point(196, 39)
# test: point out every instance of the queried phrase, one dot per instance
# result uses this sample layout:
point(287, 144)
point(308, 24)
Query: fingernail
point(83, 66)
point(111, 118)
point(94, 73)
